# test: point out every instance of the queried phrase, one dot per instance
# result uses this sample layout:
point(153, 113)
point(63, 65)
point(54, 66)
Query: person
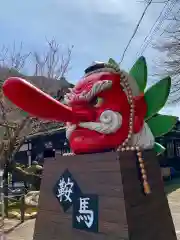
point(172, 171)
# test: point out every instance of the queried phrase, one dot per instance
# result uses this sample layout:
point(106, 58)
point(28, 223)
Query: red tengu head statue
point(99, 97)
point(97, 110)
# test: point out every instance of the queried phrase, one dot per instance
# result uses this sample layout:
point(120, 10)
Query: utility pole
point(5, 176)
point(1, 204)
point(149, 2)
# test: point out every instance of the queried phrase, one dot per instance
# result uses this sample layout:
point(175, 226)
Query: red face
point(98, 111)
point(102, 100)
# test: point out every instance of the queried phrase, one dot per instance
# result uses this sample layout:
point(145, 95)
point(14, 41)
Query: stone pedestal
point(122, 209)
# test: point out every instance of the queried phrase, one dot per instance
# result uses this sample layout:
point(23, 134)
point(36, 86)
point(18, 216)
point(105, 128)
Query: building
point(39, 144)
point(171, 142)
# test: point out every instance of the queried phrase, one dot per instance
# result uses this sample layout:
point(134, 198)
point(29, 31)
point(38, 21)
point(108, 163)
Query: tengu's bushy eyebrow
point(87, 96)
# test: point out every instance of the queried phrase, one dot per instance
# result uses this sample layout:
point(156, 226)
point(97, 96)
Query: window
point(170, 149)
point(48, 145)
point(178, 149)
point(24, 147)
point(177, 127)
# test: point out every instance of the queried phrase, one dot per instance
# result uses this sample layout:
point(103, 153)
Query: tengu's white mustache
point(109, 122)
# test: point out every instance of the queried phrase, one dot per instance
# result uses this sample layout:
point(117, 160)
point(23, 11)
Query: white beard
point(144, 139)
point(109, 123)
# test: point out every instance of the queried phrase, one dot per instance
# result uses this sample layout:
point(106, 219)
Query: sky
point(98, 29)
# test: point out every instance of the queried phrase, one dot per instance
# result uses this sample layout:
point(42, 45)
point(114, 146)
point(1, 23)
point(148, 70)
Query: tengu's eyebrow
point(87, 96)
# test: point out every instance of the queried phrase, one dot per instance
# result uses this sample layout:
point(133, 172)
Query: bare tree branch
point(17, 58)
point(53, 64)
point(13, 58)
point(169, 60)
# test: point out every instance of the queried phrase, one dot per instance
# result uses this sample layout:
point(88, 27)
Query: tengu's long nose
point(37, 103)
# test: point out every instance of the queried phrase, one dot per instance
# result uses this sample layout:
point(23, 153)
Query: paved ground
point(25, 231)
point(22, 232)
point(174, 203)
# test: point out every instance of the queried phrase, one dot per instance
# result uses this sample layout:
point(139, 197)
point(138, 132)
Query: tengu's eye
point(96, 102)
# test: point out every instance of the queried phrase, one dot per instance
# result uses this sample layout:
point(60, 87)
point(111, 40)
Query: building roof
point(45, 133)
